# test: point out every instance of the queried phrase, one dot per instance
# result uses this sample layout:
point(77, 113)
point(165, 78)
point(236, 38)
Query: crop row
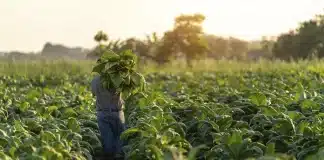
point(217, 115)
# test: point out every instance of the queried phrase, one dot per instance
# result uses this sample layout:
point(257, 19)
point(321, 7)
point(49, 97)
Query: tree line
point(306, 41)
point(187, 41)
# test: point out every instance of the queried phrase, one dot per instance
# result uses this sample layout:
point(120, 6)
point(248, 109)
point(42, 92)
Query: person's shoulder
point(96, 79)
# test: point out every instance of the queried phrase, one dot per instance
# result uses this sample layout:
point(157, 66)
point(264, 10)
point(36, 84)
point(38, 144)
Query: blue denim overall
point(110, 117)
point(111, 125)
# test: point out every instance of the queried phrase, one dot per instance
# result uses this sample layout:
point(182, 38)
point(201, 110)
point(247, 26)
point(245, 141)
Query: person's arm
point(93, 87)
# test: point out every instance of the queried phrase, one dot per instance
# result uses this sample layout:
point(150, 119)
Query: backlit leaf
point(258, 99)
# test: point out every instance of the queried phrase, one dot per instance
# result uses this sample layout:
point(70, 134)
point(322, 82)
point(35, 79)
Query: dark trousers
point(111, 125)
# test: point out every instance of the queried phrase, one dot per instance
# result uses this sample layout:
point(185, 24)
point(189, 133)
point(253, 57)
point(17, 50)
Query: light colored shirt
point(106, 100)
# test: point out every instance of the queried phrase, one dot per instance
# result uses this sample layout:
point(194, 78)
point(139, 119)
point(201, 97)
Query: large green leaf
point(73, 124)
point(269, 111)
point(24, 106)
point(35, 156)
point(51, 109)
point(3, 141)
point(47, 136)
point(301, 127)
point(3, 133)
point(158, 154)
point(258, 99)
point(109, 65)
point(294, 115)
point(12, 151)
point(3, 156)
point(194, 151)
point(316, 156)
point(270, 149)
point(300, 92)
point(236, 137)
point(69, 112)
point(33, 94)
point(306, 152)
point(116, 79)
point(309, 105)
point(99, 67)
point(137, 78)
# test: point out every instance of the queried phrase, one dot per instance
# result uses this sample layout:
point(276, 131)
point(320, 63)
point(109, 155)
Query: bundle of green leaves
point(117, 71)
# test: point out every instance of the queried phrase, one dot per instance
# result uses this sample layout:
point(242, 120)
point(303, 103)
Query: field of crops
point(242, 114)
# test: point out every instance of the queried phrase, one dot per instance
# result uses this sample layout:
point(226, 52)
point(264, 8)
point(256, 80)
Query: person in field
point(110, 116)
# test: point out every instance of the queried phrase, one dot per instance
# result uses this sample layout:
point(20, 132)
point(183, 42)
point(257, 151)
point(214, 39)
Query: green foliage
point(186, 37)
point(262, 119)
point(100, 36)
point(186, 40)
point(238, 47)
point(46, 121)
point(117, 72)
point(268, 113)
point(304, 42)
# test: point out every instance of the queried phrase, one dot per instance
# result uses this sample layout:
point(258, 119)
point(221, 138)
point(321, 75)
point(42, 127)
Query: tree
point(267, 45)
point(143, 48)
point(286, 46)
point(113, 45)
point(218, 46)
point(58, 50)
point(100, 36)
point(186, 38)
point(238, 47)
point(309, 37)
point(304, 42)
point(167, 48)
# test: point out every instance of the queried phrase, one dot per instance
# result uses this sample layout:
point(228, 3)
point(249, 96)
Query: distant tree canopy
point(184, 40)
point(143, 48)
point(304, 42)
point(231, 47)
point(187, 40)
point(58, 50)
point(238, 48)
point(217, 46)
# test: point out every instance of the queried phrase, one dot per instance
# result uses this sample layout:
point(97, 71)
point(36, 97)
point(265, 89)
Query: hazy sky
point(28, 24)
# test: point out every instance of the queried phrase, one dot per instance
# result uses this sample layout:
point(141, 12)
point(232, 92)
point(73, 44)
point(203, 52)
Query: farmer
point(110, 118)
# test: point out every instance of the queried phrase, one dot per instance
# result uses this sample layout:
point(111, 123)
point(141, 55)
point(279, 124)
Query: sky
point(26, 25)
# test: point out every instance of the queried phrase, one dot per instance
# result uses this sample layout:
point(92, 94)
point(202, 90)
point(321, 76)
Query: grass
point(57, 67)
point(46, 67)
